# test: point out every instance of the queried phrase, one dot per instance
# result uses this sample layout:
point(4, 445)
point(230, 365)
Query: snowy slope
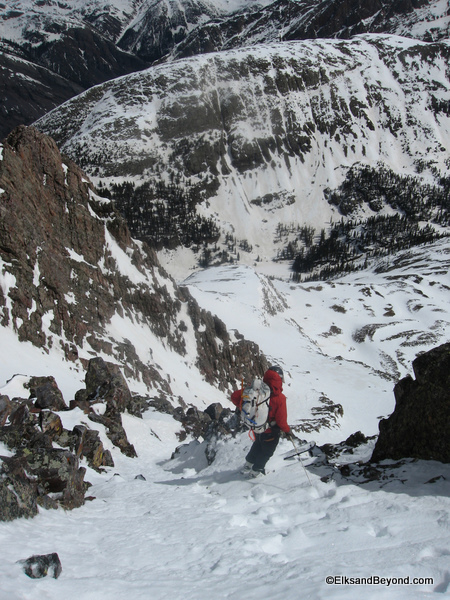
point(189, 531)
point(427, 22)
point(263, 131)
point(362, 328)
point(199, 536)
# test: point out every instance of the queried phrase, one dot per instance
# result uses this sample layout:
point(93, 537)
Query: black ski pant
point(262, 449)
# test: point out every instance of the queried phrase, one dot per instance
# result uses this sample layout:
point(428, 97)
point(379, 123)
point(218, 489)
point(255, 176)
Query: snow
point(192, 531)
point(211, 534)
point(314, 330)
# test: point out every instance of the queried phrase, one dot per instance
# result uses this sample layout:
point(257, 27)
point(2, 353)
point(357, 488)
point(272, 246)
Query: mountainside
point(176, 521)
point(261, 137)
point(256, 153)
point(50, 51)
point(74, 282)
point(159, 26)
point(285, 20)
point(87, 43)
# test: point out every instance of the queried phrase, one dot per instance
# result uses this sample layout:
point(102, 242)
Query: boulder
point(214, 411)
point(46, 393)
point(115, 432)
point(5, 409)
point(419, 427)
point(106, 384)
point(38, 566)
point(18, 493)
point(50, 423)
point(89, 445)
point(58, 475)
point(38, 474)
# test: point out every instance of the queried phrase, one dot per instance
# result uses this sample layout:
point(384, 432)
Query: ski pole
point(300, 458)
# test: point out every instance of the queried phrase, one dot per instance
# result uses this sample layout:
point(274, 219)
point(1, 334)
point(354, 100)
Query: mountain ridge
point(261, 133)
point(89, 44)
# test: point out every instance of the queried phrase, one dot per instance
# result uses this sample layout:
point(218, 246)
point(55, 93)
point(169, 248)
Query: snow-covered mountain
point(263, 134)
point(286, 20)
point(51, 51)
point(88, 42)
point(259, 140)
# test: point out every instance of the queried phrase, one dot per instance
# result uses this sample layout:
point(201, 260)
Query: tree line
point(163, 214)
point(421, 216)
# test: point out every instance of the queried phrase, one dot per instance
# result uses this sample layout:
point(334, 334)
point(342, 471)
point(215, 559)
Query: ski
point(299, 450)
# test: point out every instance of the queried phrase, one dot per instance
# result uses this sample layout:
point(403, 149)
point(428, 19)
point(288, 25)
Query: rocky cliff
point(419, 427)
point(72, 278)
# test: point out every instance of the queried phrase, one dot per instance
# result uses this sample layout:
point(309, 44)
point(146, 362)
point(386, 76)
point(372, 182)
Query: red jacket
point(277, 403)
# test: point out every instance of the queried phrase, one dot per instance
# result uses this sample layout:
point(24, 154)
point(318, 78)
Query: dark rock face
point(28, 91)
point(419, 427)
point(54, 242)
point(44, 211)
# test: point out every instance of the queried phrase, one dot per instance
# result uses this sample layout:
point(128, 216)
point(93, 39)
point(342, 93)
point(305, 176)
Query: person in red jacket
point(265, 443)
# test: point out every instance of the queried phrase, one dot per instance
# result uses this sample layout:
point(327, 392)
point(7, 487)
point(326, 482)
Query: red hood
point(274, 381)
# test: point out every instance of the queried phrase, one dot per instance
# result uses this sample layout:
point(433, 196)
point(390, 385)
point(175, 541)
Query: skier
point(265, 443)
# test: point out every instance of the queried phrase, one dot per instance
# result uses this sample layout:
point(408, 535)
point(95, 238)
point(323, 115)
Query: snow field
point(195, 533)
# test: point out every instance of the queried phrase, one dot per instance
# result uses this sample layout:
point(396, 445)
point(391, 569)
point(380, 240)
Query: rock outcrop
point(44, 469)
point(419, 427)
point(41, 565)
point(46, 463)
point(62, 254)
